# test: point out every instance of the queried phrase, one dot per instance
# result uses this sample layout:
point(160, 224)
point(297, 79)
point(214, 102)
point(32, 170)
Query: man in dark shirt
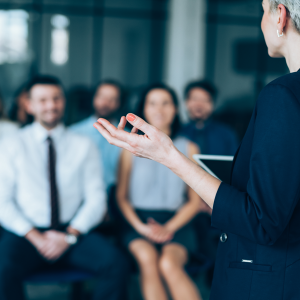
point(211, 136)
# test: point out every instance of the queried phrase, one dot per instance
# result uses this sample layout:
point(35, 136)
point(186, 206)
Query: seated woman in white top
point(6, 127)
point(157, 206)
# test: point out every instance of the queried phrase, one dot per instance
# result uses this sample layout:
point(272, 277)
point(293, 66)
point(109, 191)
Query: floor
point(62, 291)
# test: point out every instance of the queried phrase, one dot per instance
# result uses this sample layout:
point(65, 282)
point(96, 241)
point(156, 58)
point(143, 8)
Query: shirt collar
point(41, 134)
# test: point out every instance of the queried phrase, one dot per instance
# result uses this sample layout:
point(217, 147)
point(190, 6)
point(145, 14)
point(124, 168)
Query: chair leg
point(77, 291)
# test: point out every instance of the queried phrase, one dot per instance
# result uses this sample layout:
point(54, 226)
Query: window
point(59, 39)
point(13, 36)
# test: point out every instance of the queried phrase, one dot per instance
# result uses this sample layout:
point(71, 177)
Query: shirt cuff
point(83, 228)
point(20, 228)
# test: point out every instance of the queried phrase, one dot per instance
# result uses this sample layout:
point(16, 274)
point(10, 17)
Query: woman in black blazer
point(259, 213)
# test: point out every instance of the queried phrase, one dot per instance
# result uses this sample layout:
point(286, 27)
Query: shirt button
point(223, 237)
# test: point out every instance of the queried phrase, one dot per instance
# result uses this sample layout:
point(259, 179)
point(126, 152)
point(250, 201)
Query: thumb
point(140, 124)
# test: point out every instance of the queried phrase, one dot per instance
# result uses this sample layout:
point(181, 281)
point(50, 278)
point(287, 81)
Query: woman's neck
point(292, 52)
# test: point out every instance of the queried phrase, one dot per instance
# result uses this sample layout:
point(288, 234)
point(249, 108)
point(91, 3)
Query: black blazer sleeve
point(262, 213)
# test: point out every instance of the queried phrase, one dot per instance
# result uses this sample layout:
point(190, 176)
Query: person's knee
point(168, 266)
point(147, 258)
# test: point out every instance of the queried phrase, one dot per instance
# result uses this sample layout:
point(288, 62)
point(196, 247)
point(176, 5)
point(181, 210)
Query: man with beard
point(212, 137)
point(51, 197)
point(106, 103)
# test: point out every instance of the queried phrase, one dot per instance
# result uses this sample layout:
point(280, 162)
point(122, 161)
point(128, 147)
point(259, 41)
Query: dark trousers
point(18, 259)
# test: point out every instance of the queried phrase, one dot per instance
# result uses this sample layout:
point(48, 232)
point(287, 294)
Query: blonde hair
point(293, 7)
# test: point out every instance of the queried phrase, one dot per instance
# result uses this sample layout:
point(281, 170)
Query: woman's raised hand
point(154, 144)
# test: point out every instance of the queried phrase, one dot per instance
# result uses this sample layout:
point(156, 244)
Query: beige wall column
point(185, 54)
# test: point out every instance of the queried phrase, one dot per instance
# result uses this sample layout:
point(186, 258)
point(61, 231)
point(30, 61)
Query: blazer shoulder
point(279, 99)
point(290, 81)
point(279, 91)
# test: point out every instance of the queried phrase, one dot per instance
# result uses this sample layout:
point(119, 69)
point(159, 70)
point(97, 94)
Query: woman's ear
point(282, 18)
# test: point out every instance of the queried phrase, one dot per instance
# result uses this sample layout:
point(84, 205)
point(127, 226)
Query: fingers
point(107, 135)
point(47, 251)
point(104, 127)
point(140, 124)
point(52, 252)
point(122, 123)
point(166, 237)
point(160, 238)
point(121, 135)
point(134, 130)
point(159, 233)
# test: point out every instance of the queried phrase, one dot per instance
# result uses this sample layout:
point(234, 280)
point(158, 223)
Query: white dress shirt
point(25, 186)
point(7, 128)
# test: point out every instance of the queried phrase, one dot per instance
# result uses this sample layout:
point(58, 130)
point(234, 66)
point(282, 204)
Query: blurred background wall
point(138, 42)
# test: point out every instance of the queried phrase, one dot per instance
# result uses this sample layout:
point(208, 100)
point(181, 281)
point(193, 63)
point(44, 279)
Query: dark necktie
point(53, 187)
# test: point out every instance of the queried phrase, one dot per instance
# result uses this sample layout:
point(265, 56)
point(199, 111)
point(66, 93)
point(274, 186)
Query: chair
point(67, 275)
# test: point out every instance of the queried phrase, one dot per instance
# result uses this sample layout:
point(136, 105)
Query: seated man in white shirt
point(51, 196)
